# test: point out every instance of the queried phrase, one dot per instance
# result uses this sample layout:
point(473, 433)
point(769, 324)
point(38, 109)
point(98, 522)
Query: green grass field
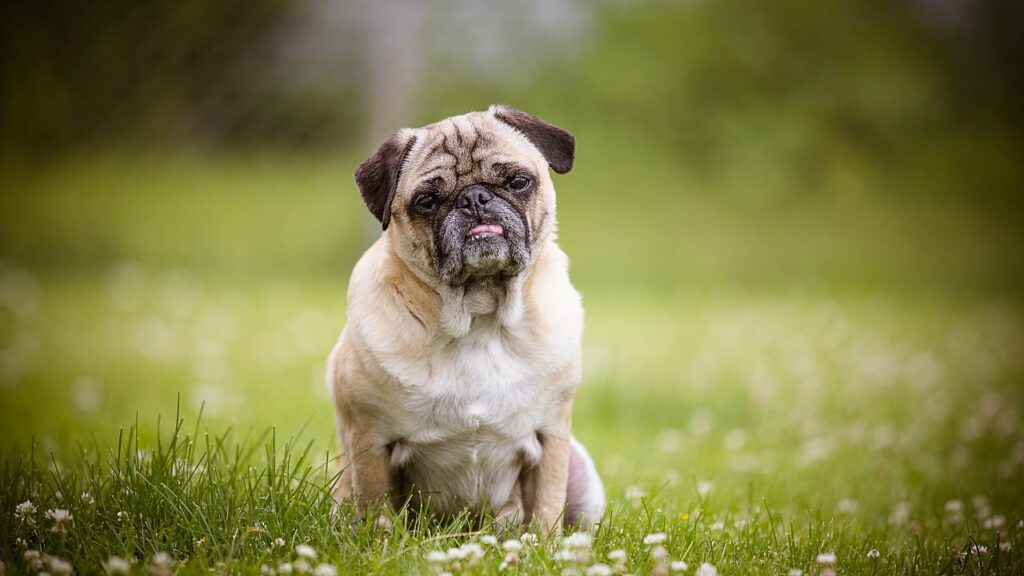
point(767, 383)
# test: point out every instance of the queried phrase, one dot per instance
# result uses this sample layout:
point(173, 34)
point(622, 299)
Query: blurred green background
point(796, 225)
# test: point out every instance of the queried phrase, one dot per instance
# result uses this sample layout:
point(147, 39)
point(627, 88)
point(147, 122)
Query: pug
point(455, 376)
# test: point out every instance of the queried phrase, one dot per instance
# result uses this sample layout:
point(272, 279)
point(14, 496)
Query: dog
point(454, 378)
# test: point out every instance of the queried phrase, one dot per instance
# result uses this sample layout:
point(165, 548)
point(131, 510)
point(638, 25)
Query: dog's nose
point(474, 198)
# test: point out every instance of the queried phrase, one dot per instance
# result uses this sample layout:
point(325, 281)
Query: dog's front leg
point(551, 476)
point(368, 467)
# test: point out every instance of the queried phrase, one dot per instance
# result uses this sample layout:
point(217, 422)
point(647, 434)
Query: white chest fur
point(467, 430)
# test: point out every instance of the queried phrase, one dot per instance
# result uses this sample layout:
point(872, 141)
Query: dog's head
point(468, 197)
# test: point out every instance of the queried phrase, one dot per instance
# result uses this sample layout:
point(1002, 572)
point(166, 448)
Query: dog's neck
point(457, 306)
point(461, 304)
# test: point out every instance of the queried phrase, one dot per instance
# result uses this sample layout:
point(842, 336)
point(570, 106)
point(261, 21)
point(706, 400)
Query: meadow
point(815, 384)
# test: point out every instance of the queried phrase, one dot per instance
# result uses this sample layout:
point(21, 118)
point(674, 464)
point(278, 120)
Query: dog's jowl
point(455, 377)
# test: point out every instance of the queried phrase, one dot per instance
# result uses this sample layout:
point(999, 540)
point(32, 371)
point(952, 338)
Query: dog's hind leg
point(585, 500)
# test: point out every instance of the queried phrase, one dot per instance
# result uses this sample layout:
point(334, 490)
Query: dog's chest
point(470, 428)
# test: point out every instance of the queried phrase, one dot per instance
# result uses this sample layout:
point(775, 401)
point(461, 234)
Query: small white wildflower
point(25, 512)
point(160, 564)
point(305, 551)
point(577, 540)
point(1005, 546)
point(489, 540)
point(58, 566)
point(266, 570)
point(437, 557)
point(718, 526)
point(900, 514)
point(285, 568)
point(679, 566)
point(528, 538)
point(873, 553)
point(457, 554)
point(847, 506)
point(512, 545)
point(954, 507)
point(301, 565)
point(88, 499)
point(473, 550)
point(659, 553)
point(60, 518)
point(599, 570)
point(117, 565)
point(996, 522)
point(826, 558)
point(617, 556)
point(706, 569)
point(978, 549)
point(704, 488)
point(634, 496)
point(656, 538)
point(564, 556)
point(796, 572)
point(33, 559)
point(278, 542)
point(20, 543)
point(325, 570)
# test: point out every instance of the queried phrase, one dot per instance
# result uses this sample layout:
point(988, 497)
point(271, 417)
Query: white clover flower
point(60, 518)
point(25, 512)
point(472, 550)
point(996, 522)
point(679, 566)
point(160, 564)
point(954, 507)
point(115, 565)
point(88, 499)
point(634, 496)
point(1005, 546)
point(978, 549)
point(301, 565)
point(704, 488)
point(718, 526)
point(577, 540)
point(489, 540)
point(437, 557)
point(512, 546)
point(58, 566)
point(457, 554)
point(796, 572)
point(873, 553)
point(826, 558)
point(528, 538)
point(599, 570)
point(617, 556)
point(656, 538)
point(285, 568)
point(34, 560)
point(266, 570)
point(659, 553)
point(706, 569)
point(564, 556)
point(847, 506)
point(900, 514)
point(278, 542)
point(305, 551)
point(325, 570)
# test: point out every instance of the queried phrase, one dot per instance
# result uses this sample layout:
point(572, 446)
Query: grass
point(163, 382)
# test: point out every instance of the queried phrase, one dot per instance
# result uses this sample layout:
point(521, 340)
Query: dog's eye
point(519, 183)
point(426, 202)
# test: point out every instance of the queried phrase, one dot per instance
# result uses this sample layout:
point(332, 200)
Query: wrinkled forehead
point(464, 149)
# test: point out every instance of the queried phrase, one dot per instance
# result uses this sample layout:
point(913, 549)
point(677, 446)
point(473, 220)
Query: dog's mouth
point(485, 231)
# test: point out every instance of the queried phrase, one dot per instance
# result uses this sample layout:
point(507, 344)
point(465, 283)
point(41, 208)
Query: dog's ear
point(378, 175)
point(557, 145)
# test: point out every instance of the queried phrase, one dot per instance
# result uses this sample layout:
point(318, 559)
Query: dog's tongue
point(495, 229)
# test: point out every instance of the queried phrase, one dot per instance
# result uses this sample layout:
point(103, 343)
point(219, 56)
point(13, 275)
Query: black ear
point(557, 145)
point(378, 176)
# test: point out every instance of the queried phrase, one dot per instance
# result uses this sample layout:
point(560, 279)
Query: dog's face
point(468, 197)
